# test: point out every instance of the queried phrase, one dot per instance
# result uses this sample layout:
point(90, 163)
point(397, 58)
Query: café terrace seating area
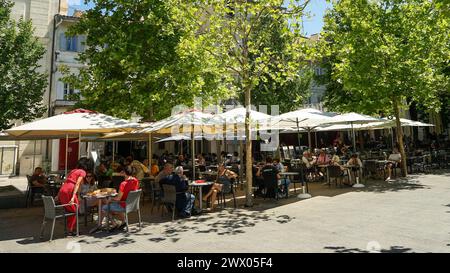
point(301, 172)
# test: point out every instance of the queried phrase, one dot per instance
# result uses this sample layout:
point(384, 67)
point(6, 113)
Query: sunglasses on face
point(89, 176)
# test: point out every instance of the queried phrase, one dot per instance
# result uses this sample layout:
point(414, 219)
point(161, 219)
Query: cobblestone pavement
point(410, 215)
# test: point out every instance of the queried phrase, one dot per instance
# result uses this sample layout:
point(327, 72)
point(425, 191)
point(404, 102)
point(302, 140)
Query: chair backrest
point(49, 206)
point(116, 180)
point(29, 181)
point(146, 184)
point(334, 171)
point(227, 185)
point(132, 202)
point(270, 178)
point(169, 195)
point(370, 165)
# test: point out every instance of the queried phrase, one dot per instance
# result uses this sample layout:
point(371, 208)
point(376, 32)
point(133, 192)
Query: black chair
point(334, 172)
point(115, 181)
point(297, 178)
point(373, 168)
point(104, 182)
point(227, 188)
point(146, 188)
point(270, 184)
point(53, 212)
point(32, 191)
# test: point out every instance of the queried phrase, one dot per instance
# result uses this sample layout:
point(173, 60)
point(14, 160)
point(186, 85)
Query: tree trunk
point(248, 151)
point(400, 136)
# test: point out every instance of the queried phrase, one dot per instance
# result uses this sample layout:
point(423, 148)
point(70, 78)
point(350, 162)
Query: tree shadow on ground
point(225, 222)
point(409, 184)
point(392, 249)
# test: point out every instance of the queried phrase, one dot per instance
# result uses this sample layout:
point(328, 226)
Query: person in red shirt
point(117, 204)
point(68, 192)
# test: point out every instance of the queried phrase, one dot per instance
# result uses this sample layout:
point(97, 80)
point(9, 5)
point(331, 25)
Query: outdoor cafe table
point(304, 194)
point(200, 186)
point(99, 197)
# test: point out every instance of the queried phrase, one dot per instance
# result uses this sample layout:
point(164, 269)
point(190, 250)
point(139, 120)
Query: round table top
point(206, 183)
point(288, 173)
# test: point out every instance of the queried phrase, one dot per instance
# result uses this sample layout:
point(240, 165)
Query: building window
point(71, 43)
point(68, 91)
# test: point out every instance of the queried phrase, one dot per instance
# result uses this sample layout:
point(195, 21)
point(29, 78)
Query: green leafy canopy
point(22, 85)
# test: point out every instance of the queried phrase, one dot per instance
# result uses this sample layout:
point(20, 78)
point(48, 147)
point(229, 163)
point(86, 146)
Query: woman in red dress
point(68, 192)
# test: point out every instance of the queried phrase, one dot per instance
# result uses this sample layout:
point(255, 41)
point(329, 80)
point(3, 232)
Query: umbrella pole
point(298, 135)
point(315, 137)
point(67, 148)
point(113, 151)
point(392, 137)
point(34, 154)
point(193, 153)
point(309, 139)
point(353, 138)
point(79, 144)
point(150, 155)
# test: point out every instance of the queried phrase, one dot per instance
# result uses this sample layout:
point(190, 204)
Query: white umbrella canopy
point(306, 119)
point(353, 118)
point(181, 123)
point(190, 121)
point(237, 116)
point(178, 138)
point(71, 123)
point(303, 118)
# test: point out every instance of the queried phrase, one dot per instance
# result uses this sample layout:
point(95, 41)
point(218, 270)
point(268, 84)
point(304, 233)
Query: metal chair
point(132, 205)
point(155, 192)
point(53, 212)
point(169, 197)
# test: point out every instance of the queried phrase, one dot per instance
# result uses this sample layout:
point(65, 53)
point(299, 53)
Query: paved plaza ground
point(411, 215)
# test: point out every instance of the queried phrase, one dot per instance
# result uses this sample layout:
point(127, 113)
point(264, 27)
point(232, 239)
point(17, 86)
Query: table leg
point(201, 199)
point(304, 195)
point(85, 211)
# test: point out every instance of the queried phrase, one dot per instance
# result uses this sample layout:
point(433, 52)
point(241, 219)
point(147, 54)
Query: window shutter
point(81, 43)
point(62, 42)
point(74, 43)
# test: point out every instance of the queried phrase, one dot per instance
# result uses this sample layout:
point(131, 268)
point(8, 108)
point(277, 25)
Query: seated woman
point(224, 176)
point(117, 204)
point(355, 165)
point(322, 159)
point(88, 186)
point(393, 161)
point(309, 162)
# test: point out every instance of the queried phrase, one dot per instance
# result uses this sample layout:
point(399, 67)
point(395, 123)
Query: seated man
point(184, 200)
point(271, 176)
point(258, 181)
point(38, 178)
point(393, 161)
point(117, 204)
point(283, 182)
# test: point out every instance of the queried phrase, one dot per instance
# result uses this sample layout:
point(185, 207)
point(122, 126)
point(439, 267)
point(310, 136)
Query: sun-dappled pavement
point(411, 215)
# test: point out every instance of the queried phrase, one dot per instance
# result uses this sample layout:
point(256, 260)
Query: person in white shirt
point(394, 160)
point(355, 165)
point(309, 162)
